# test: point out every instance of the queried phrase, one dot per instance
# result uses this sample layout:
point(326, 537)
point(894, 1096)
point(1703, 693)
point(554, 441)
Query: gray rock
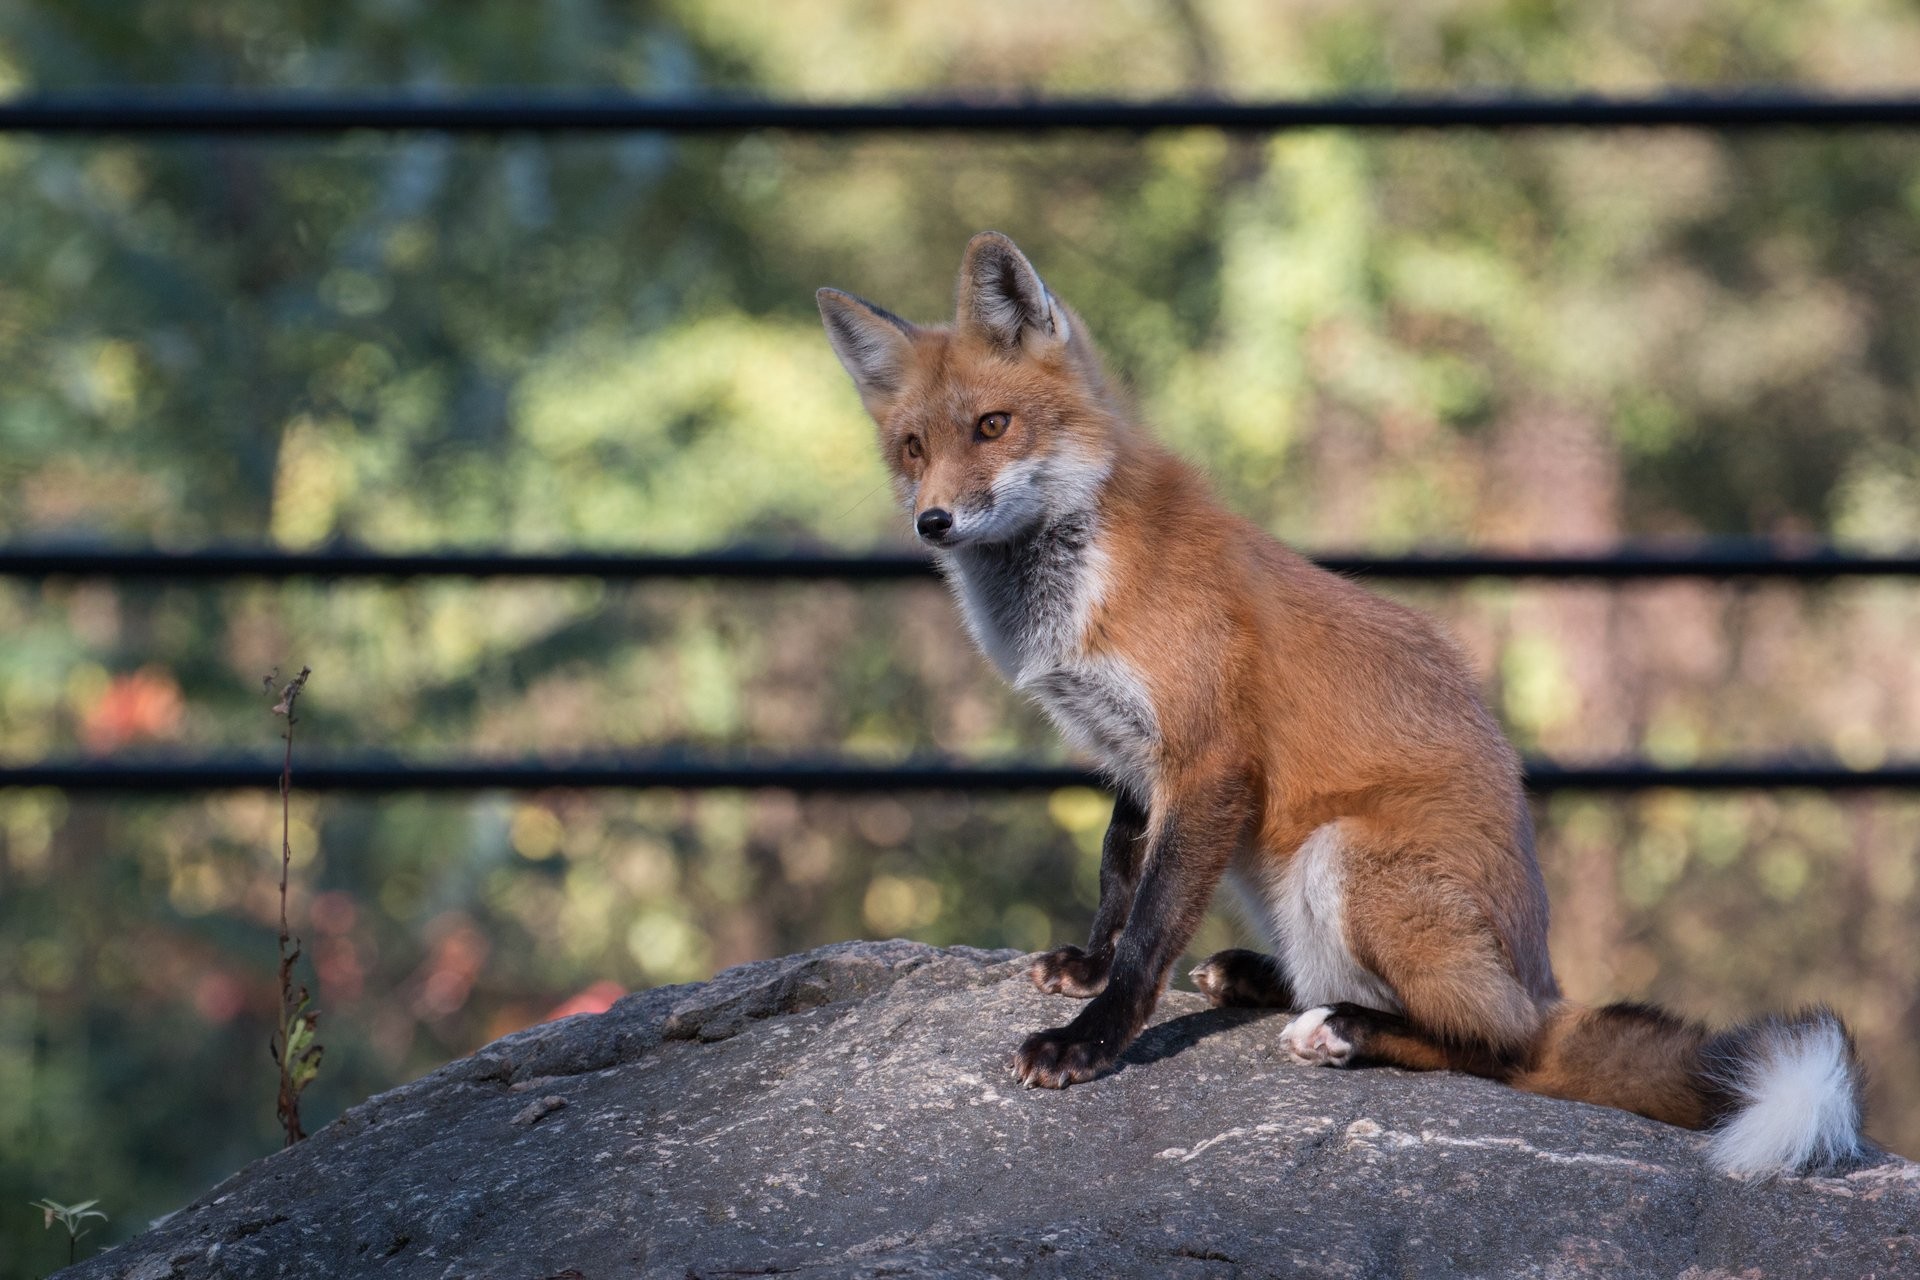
point(848, 1112)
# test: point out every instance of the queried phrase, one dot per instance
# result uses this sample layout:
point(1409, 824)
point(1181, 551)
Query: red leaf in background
point(143, 706)
point(597, 998)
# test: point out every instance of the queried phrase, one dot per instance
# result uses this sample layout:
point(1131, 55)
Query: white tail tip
point(1795, 1088)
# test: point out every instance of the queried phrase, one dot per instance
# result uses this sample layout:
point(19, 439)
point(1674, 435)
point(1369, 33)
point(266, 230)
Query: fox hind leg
point(1351, 1035)
point(1458, 1002)
point(1427, 982)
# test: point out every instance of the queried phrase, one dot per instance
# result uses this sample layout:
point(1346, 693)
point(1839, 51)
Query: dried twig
point(293, 1046)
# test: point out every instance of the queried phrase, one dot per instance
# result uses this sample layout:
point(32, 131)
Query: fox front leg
point(1186, 854)
point(1071, 971)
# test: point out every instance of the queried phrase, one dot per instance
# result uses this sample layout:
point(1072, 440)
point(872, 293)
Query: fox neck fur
point(1033, 604)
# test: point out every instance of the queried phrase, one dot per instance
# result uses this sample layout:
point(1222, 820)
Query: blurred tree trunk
point(1559, 476)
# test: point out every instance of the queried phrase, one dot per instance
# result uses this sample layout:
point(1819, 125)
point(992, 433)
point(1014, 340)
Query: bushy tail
point(1781, 1095)
point(1792, 1088)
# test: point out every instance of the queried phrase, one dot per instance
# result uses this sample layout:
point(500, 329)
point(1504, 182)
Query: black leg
point(1071, 971)
point(1189, 851)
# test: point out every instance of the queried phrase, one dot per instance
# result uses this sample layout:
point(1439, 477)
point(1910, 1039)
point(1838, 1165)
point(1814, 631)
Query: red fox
point(1265, 722)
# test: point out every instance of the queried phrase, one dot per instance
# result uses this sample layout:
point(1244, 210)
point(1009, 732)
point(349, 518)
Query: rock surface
point(848, 1112)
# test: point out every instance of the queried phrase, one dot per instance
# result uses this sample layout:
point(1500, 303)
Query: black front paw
point(1070, 971)
point(1240, 979)
point(1057, 1058)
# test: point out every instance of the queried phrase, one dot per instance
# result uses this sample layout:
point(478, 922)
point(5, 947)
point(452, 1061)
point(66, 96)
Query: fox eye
point(913, 446)
point(992, 425)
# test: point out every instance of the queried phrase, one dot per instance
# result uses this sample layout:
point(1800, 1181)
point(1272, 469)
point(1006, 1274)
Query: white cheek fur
point(1030, 491)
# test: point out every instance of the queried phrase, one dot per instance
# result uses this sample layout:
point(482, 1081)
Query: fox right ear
point(873, 345)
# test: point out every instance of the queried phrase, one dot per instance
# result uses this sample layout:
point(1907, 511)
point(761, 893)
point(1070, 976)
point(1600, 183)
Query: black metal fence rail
point(1741, 560)
point(174, 113)
point(250, 115)
point(831, 776)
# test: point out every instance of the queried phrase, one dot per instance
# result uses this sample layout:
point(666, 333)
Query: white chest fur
point(1101, 707)
point(1027, 605)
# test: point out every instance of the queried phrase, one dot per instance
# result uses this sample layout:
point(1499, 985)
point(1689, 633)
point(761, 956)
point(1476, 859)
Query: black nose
point(933, 523)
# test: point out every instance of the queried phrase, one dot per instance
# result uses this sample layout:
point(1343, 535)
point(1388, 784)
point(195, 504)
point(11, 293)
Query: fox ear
point(873, 345)
point(1003, 297)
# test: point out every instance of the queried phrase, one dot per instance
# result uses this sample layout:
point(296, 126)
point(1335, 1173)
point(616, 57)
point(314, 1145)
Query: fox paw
point(1055, 1059)
point(1241, 979)
point(1070, 971)
point(1311, 1039)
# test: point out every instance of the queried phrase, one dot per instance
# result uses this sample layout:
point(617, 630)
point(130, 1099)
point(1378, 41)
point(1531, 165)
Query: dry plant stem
point(292, 1000)
point(285, 708)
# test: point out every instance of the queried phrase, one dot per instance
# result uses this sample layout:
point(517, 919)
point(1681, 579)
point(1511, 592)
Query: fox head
point(995, 425)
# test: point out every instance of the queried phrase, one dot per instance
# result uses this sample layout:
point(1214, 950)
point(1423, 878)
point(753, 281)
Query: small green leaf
point(70, 1216)
point(306, 1067)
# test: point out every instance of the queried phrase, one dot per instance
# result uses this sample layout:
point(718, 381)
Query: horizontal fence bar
point(148, 113)
point(833, 776)
point(1733, 560)
point(220, 563)
point(696, 775)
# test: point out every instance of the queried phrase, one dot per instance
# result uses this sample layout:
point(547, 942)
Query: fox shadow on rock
point(1182, 1032)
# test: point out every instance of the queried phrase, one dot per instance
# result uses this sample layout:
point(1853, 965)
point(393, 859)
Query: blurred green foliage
point(1531, 339)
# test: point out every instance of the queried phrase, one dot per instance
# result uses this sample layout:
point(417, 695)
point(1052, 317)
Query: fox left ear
point(1003, 297)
